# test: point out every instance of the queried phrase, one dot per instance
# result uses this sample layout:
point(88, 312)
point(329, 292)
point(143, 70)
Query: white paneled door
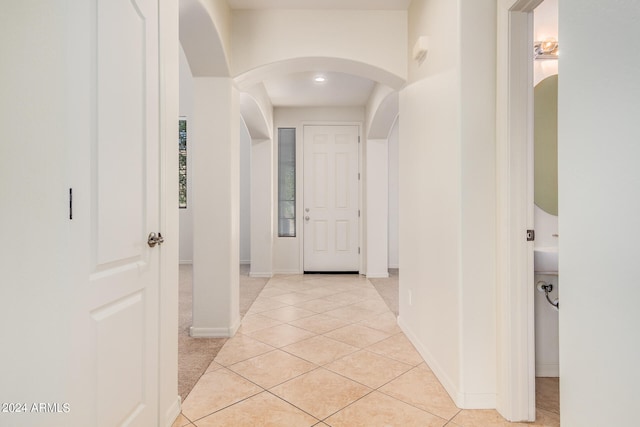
point(123, 296)
point(331, 198)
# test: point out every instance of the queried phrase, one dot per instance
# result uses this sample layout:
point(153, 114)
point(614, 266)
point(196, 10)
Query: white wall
point(186, 110)
point(393, 142)
point(376, 208)
point(186, 215)
point(447, 198)
point(287, 250)
point(245, 195)
point(599, 183)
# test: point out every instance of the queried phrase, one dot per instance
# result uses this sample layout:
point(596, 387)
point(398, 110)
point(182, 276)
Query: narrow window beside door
point(286, 182)
point(182, 163)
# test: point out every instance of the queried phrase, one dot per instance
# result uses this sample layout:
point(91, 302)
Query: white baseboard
point(173, 412)
point(462, 400)
point(546, 370)
point(215, 332)
point(287, 272)
point(262, 275)
point(378, 276)
point(185, 261)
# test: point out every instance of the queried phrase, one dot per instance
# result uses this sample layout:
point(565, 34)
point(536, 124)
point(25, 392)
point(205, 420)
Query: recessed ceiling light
point(320, 79)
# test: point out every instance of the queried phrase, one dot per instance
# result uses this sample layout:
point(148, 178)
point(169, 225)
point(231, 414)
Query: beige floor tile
point(181, 421)
point(287, 314)
point(273, 368)
point(264, 410)
point(281, 335)
point(379, 410)
point(365, 292)
point(398, 347)
point(351, 313)
point(215, 391)
point(376, 305)
point(491, 418)
point(319, 323)
point(548, 394)
point(420, 387)
point(368, 368)
point(386, 322)
point(320, 291)
point(344, 298)
point(213, 366)
point(262, 304)
point(293, 298)
point(320, 350)
point(357, 335)
point(256, 322)
point(320, 392)
point(240, 347)
point(481, 418)
point(319, 305)
point(272, 291)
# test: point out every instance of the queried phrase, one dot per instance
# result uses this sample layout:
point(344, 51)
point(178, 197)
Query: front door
point(331, 199)
point(122, 296)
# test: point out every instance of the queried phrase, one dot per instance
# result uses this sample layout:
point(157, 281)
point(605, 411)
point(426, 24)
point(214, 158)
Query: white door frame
point(300, 193)
point(515, 291)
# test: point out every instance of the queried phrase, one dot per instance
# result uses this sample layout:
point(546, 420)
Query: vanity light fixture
point(547, 49)
point(320, 79)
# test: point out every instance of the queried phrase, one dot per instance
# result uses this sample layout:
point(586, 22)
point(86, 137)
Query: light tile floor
point(324, 350)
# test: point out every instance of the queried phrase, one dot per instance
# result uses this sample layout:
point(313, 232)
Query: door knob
point(155, 239)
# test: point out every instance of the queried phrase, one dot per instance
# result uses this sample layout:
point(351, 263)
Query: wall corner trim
point(172, 413)
point(229, 332)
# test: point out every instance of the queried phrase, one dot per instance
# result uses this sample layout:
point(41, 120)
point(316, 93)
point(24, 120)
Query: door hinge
point(531, 235)
point(358, 250)
point(358, 213)
point(358, 176)
point(358, 140)
point(71, 203)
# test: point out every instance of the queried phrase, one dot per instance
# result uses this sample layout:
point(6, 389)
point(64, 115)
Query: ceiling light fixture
point(320, 79)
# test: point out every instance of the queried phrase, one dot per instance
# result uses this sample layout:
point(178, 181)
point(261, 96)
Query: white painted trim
point(286, 272)
point(214, 332)
point(394, 266)
point(261, 275)
point(515, 398)
point(186, 262)
point(173, 412)
point(377, 276)
point(245, 262)
point(547, 370)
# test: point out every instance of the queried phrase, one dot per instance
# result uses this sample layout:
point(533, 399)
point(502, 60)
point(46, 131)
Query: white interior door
point(123, 295)
point(331, 198)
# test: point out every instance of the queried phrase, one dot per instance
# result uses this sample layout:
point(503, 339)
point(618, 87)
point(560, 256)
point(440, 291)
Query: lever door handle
point(155, 239)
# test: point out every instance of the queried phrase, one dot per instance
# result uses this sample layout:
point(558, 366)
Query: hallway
point(325, 350)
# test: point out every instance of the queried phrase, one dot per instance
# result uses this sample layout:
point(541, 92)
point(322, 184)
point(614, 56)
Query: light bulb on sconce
point(547, 49)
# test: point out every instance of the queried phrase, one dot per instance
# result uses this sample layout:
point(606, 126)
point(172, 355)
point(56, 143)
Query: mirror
point(545, 135)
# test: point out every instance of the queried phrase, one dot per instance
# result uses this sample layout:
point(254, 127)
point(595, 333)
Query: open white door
point(331, 198)
point(122, 296)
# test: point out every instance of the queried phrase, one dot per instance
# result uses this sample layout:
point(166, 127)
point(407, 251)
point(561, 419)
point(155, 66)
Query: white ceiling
point(299, 89)
point(321, 4)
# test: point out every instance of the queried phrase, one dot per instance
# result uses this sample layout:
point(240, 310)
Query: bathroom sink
point(545, 260)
